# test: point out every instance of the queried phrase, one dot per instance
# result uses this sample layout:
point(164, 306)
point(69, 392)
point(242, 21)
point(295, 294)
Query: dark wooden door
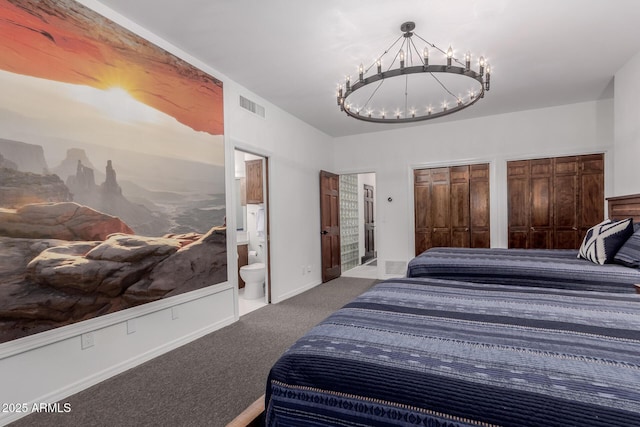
point(530, 188)
point(440, 207)
point(479, 197)
point(451, 207)
point(554, 201)
point(566, 194)
point(459, 206)
point(330, 225)
point(541, 222)
point(432, 208)
point(369, 225)
point(518, 184)
point(422, 215)
point(591, 199)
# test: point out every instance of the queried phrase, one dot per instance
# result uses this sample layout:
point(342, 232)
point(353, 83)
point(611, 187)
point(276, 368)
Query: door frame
point(377, 201)
point(267, 215)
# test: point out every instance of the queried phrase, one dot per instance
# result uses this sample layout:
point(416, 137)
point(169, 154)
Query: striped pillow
point(602, 241)
point(629, 252)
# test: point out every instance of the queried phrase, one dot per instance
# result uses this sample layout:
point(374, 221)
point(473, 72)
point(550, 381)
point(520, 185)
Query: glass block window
point(349, 250)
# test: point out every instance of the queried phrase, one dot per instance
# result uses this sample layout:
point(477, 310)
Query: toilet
point(253, 276)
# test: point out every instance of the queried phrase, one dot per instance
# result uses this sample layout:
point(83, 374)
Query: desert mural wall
point(111, 169)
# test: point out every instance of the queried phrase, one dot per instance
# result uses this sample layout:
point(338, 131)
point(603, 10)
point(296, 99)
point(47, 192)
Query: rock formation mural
point(111, 169)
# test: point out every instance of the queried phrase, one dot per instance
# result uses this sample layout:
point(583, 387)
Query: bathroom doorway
point(252, 230)
point(358, 225)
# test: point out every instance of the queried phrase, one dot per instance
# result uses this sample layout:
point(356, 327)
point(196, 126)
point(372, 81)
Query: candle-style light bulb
point(487, 78)
point(481, 65)
point(467, 61)
point(425, 56)
point(348, 83)
point(449, 56)
point(379, 64)
point(401, 59)
point(361, 71)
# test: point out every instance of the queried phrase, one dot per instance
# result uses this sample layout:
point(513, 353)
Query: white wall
point(297, 152)
point(571, 129)
point(626, 179)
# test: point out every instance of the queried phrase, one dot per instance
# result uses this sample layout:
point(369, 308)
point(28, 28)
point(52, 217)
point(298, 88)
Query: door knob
point(324, 232)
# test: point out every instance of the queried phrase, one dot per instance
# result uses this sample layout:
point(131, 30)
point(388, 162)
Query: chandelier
point(436, 90)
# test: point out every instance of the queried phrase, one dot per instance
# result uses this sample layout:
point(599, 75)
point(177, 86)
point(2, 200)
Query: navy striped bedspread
point(548, 268)
point(430, 352)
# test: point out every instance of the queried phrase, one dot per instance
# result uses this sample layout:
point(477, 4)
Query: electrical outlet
point(86, 340)
point(131, 326)
point(308, 269)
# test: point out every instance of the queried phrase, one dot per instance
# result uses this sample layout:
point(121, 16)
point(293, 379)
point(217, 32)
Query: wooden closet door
point(451, 207)
point(541, 231)
point(440, 207)
point(479, 212)
point(566, 194)
point(519, 203)
point(459, 206)
point(432, 208)
point(553, 202)
point(530, 190)
point(422, 210)
point(591, 198)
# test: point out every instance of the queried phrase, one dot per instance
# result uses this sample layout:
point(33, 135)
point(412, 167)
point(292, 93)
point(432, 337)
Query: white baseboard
point(295, 292)
point(71, 389)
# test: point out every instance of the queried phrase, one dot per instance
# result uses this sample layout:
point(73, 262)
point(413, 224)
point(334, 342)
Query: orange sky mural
point(64, 41)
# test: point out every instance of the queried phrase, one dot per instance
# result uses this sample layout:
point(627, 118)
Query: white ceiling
point(293, 53)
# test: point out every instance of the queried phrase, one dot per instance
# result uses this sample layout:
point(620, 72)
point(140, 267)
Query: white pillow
point(603, 240)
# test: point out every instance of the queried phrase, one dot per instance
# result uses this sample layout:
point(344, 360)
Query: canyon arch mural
point(112, 190)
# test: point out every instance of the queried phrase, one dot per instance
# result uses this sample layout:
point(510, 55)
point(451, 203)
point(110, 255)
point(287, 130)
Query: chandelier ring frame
point(416, 69)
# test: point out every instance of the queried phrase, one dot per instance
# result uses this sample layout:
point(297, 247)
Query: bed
point(547, 268)
point(433, 352)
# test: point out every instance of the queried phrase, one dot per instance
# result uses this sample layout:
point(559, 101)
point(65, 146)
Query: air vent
point(251, 106)
point(395, 268)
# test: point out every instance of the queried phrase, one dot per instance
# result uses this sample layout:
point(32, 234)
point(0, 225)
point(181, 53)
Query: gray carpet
point(207, 382)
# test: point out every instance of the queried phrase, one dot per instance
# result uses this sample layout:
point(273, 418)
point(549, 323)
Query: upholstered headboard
point(622, 207)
